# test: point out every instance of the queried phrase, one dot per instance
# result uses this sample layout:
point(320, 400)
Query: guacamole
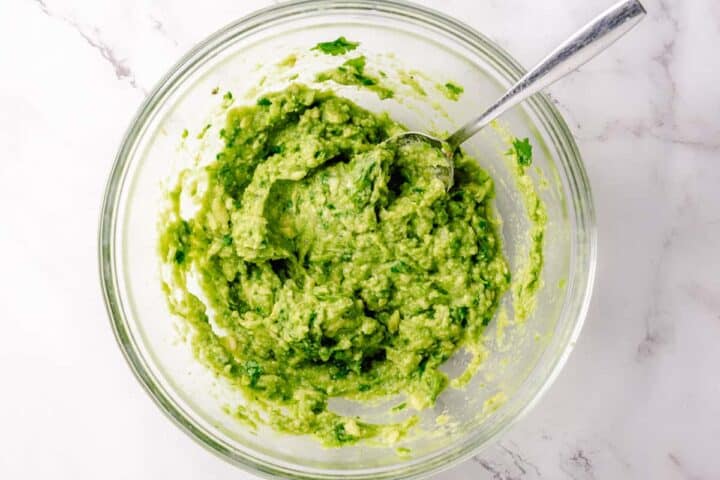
point(322, 262)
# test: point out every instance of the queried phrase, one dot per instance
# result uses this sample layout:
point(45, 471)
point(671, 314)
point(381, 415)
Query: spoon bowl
point(446, 173)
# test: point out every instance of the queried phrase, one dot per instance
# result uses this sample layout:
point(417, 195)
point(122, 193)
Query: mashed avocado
point(325, 264)
point(352, 72)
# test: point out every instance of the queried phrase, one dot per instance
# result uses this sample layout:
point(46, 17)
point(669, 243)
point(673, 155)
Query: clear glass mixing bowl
point(237, 58)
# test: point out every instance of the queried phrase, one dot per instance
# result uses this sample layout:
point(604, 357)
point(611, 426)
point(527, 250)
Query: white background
point(640, 395)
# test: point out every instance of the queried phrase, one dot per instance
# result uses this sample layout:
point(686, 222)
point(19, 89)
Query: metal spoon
point(589, 41)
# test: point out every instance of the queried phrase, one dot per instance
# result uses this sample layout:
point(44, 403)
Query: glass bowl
point(526, 356)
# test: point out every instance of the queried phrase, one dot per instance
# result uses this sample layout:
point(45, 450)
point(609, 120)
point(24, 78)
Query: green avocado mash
point(329, 264)
point(528, 279)
point(352, 72)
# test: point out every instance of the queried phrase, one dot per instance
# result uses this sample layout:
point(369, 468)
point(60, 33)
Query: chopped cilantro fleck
point(341, 435)
point(522, 149)
point(254, 372)
point(179, 256)
point(451, 90)
point(454, 89)
point(336, 47)
point(227, 99)
point(399, 407)
point(275, 149)
point(459, 315)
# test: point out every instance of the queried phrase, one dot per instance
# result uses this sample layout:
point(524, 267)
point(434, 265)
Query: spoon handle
point(592, 39)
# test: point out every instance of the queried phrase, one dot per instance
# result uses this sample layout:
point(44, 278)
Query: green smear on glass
point(452, 91)
point(352, 72)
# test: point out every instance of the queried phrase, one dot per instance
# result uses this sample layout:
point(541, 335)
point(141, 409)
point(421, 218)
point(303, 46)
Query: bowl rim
point(541, 105)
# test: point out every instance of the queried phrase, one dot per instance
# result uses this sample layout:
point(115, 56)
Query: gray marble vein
point(92, 37)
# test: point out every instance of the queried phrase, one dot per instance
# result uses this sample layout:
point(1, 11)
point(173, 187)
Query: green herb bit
point(454, 89)
point(451, 90)
point(522, 149)
point(227, 99)
point(336, 47)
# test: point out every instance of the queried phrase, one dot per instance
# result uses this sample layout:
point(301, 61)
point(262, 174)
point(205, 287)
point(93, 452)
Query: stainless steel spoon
point(589, 41)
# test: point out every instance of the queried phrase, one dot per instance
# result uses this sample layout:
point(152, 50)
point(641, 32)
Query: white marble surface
point(640, 397)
